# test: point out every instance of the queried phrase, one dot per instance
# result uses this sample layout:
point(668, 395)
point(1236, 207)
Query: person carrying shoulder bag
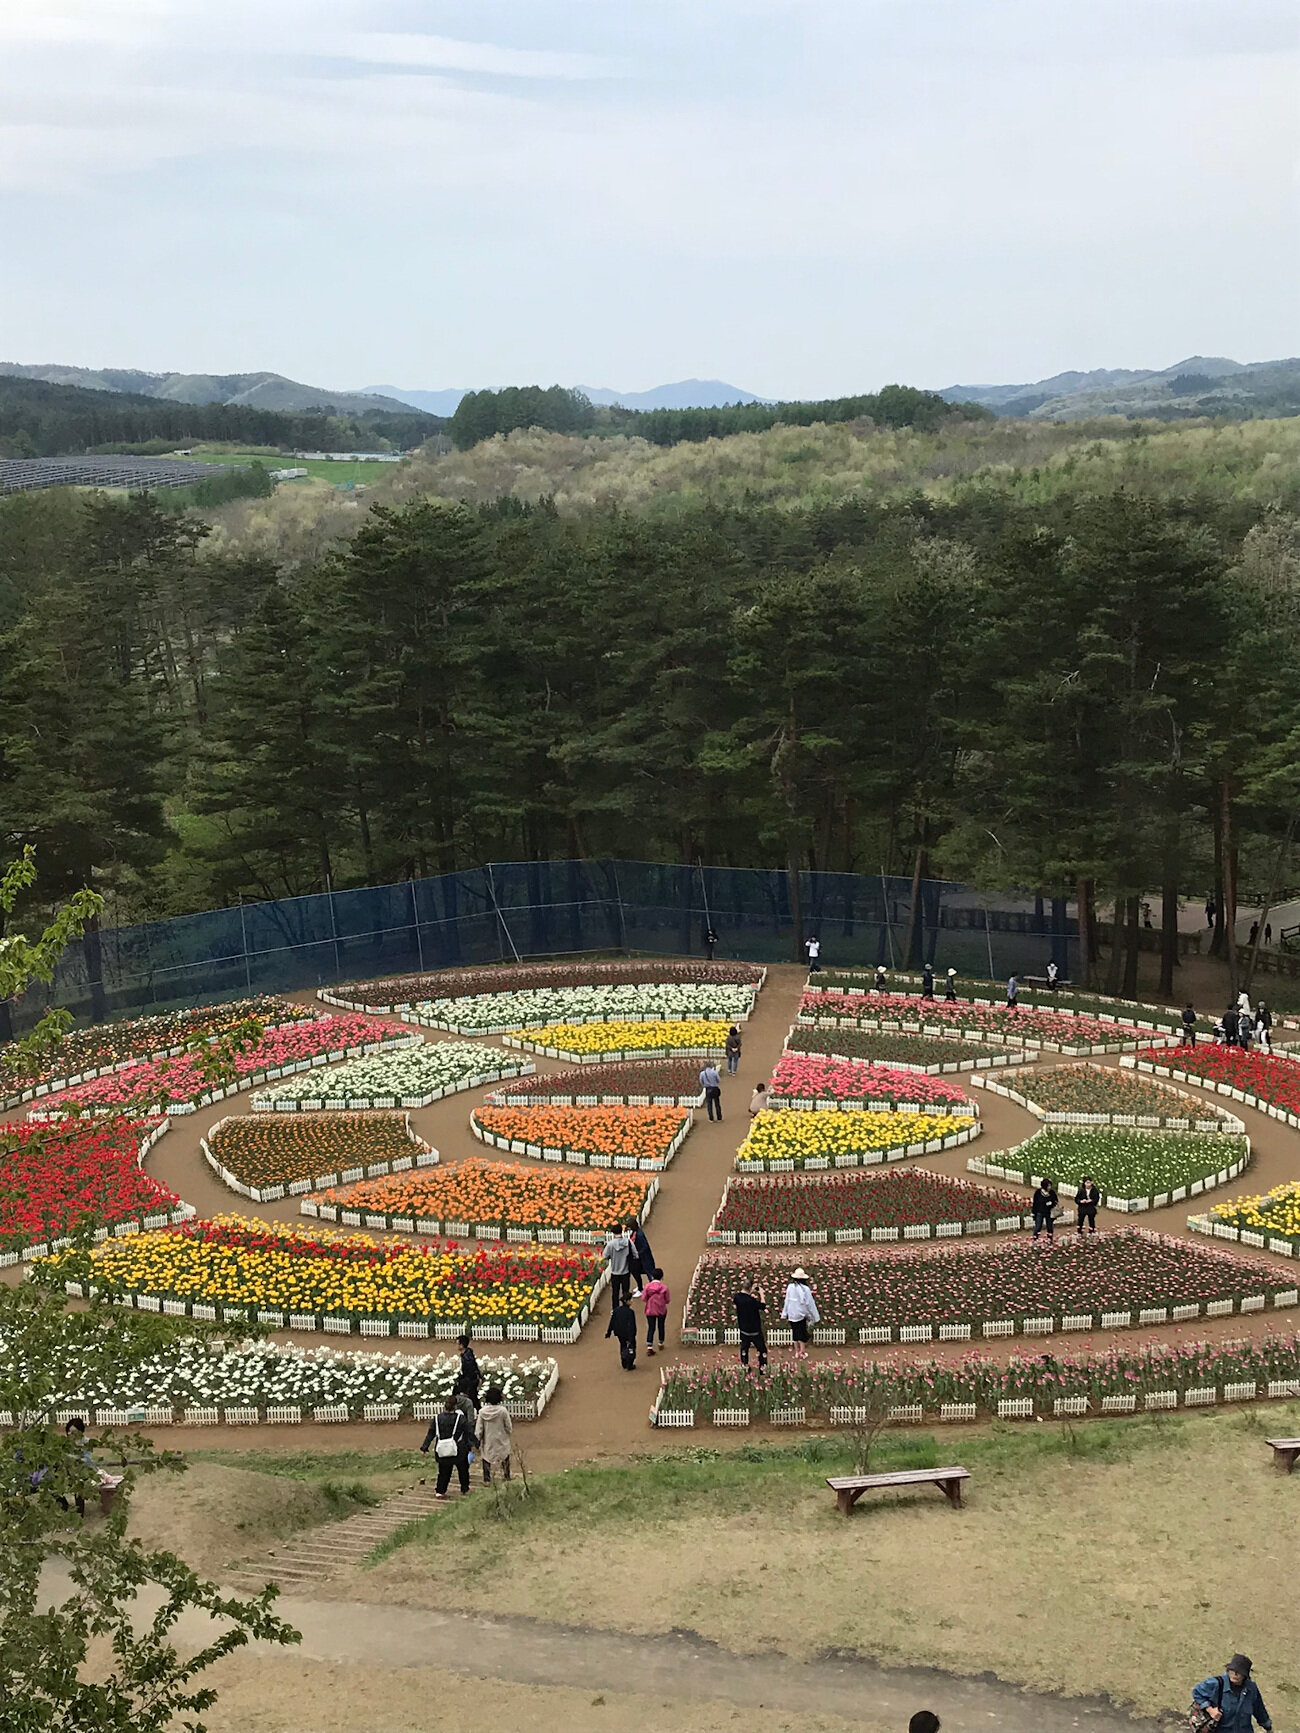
point(1229, 1701)
point(449, 1436)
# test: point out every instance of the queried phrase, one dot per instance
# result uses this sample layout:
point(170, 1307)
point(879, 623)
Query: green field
point(319, 469)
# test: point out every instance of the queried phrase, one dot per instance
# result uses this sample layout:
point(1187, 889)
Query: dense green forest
point(483, 414)
point(1086, 689)
point(42, 420)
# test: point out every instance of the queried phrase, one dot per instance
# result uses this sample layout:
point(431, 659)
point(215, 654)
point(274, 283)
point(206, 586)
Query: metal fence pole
point(415, 916)
point(243, 940)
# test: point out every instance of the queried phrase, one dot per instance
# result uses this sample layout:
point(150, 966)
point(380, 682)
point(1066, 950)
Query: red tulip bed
point(649, 1083)
point(1032, 998)
point(1111, 1276)
point(400, 992)
point(854, 1206)
point(179, 1085)
point(930, 1054)
point(1052, 1029)
point(1273, 1082)
point(56, 1178)
point(84, 1052)
point(797, 1386)
point(800, 1081)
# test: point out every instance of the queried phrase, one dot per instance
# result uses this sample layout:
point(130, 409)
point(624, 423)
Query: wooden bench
point(1285, 1452)
point(849, 1488)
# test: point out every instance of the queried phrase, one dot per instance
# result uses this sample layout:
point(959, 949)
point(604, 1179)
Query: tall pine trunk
point(1229, 867)
point(1169, 909)
point(1131, 939)
point(1115, 962)
point(1087, 938)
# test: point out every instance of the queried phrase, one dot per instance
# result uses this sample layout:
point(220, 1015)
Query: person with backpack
point(449, 1436)
point(1229, 1701)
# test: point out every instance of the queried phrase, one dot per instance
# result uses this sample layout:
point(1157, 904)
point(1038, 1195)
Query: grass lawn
point(319, 468)
point(1071, 1568)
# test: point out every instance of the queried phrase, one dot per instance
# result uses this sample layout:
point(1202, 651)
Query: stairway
point(303, 1560)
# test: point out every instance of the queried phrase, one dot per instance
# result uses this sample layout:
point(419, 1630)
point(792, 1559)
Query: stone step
point(316, 1554)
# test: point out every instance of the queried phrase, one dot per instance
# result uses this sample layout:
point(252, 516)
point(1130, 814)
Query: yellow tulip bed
point(233, 1261)
point(783, 1141)
point(588, 1042)
point(1274, 1214)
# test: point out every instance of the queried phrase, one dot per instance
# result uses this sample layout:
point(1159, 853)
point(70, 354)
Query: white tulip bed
point(409, 1077)
point(499, 1013)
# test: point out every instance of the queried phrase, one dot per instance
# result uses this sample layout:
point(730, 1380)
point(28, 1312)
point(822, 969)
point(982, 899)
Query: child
point(656, 1309)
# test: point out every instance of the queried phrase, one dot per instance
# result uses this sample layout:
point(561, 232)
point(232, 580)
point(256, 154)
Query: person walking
point(1086, 1200)
point(927, 981)
point(642, 1260)
point(1211, 910)
point(813, 947)
point(799, 1309)
point(622, 1324)
point(1264, 1025)
point(1189, 1025)
point(1254, 932)
point(495, 1434)
point(1046, 1202)
point(881, 982)
point(470, 1376)
point(733, 1050)
point(1231, 1699)
point(1228, 1023)
point(950, 987)
point(1013, 993)
point(749, 1316)
point(1268, 932)
point(449, 1436)
point(758, 1100)
point(656, 1297)
point(711, 1084)
point(618, 1255)
point(1245, 1030)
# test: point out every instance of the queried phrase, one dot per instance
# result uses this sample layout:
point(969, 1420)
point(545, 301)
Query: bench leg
point(845, 1500)
point(951, 1490)
point(1286, 1460)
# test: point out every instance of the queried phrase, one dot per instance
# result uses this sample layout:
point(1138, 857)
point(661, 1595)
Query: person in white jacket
point(799, 1308)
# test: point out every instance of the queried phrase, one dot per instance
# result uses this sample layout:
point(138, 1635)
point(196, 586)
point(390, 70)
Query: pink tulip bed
point(1053, 1029)
point(399, 992)
point(1046, 1386)
point(799, 1080)
point(927, 1053)
point(1161, 1017)
point(83, 1053)
point(1109, 1275)
point(648, 1082)
point(180, 1085)
point(850, 1206)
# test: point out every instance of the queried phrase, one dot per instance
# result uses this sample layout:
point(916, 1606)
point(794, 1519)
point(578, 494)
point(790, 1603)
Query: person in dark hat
point(924, 1721)
point(1231, 1699)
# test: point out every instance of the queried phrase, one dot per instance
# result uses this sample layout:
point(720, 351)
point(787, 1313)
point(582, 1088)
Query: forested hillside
point(1064, 687)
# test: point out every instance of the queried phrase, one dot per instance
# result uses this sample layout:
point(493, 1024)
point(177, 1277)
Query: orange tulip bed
point(645, 1137)
point(520, 1202)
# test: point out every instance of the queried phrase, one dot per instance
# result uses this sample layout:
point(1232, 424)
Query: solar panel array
point(24, 474)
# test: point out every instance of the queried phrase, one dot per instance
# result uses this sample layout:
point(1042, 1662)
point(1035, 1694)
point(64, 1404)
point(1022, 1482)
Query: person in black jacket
point(449, 1428)
point(1264, 1025)
point(622, 1323)
point(1229, 1023)
point(749, 1316)
point(1086, 1200)
point(1046, 1198)
point(469, 1379)
point(927, 981)
point(1189, 1025)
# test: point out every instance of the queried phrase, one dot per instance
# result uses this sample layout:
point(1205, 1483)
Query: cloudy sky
point(798, 196)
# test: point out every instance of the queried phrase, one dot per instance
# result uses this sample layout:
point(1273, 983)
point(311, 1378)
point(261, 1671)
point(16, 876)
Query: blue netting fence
point(547, 909)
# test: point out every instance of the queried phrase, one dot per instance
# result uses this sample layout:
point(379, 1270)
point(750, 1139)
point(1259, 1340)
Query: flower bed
point(998, 1289)
point(1135, 1170)
point(1106, 1010)
point(412, 1077)
point(263, 1155)
point(1089, 1094)
point(638, 1083)
point(1270, 1220)
point(785, 1142)
point(286, 1275)
point(928, 1054)
point(1045, 1386)
point(205, 1383)
point(491, 1200)
point(56, 1178)
point(593, 1043)
point(86, 1053)
point(500, 1013)
point(1056, 1031)
point(910, 1203)
point(1259, 1080)
point(179, 1085)
point(400, 992)
point(627, 1137)
point(801, 1081)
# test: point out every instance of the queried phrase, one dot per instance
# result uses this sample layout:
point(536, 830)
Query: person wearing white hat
point(950, 987)
point(799, 1309)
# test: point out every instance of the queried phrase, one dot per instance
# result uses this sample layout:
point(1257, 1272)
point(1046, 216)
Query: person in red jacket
point(656, 1297)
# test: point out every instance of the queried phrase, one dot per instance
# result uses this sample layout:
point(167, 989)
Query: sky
point(801, 197)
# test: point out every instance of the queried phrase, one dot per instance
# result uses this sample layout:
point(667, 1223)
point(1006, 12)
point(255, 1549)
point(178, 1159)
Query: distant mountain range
point(248, 390)
point(684, 394)
point(1200, 385)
